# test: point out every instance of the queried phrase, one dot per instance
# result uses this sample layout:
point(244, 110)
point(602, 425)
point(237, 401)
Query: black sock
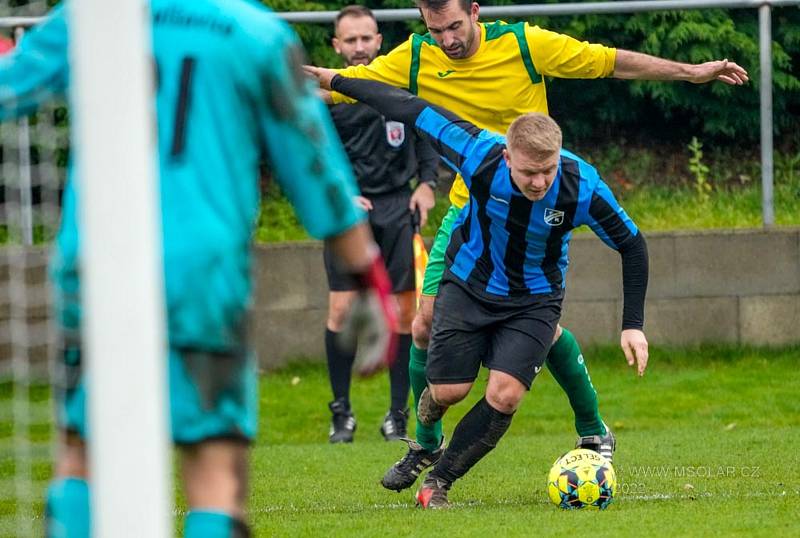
point(340, 365)
point(474, 437)
point(398, 374)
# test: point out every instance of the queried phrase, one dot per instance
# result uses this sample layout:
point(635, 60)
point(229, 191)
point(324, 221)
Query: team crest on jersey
point(395, 133)
point(553, 217)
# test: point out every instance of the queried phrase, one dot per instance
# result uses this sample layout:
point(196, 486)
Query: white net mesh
point(33, 153)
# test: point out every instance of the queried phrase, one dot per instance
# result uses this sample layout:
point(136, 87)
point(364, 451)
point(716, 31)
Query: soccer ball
point(581, 478)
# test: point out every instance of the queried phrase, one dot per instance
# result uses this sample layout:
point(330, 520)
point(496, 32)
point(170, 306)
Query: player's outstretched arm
point(635, 65)
point(322, 75)
point(462, 144)
point(392, 68)
point(394, 103)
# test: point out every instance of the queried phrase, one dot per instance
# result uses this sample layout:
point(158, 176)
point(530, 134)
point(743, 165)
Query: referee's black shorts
point(509, 334)
point(393, 229)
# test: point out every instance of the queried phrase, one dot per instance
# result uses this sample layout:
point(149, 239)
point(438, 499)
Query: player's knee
point(505, 393)
point(421, 326)
point(505, 402)
point(338, 309)
point(336, 319)
point(420, 333)
point(449, 394)
point(406, 311)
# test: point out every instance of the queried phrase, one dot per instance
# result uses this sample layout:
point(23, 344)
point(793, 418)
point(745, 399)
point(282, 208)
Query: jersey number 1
point(182, 107)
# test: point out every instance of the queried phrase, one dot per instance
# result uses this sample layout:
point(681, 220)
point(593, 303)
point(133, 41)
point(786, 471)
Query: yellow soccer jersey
point(502, 80)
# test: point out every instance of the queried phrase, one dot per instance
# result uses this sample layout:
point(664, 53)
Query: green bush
point(637, 132)
point(643, 110)
point(676, 111)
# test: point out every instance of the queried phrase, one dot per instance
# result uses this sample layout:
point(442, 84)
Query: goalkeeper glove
point(371, 325)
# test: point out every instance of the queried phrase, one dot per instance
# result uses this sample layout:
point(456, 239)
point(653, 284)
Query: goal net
point(33, 154)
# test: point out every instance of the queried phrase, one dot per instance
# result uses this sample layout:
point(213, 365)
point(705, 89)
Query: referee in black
point(386, 157)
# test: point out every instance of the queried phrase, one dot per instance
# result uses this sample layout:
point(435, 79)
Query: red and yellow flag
point(420, 261)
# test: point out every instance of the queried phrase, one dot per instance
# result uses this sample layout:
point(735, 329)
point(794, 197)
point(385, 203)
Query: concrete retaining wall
point(735, 287)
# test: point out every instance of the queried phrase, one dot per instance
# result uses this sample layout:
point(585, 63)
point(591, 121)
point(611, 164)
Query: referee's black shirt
point(385, 155)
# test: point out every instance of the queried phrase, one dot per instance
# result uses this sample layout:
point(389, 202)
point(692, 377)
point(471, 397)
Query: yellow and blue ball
point(581, 478)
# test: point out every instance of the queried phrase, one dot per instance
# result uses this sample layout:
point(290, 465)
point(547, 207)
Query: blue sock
point(67, 510)
point(207, 524)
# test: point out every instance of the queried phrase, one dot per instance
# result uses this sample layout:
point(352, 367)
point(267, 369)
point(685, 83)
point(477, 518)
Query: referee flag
point(420, 256)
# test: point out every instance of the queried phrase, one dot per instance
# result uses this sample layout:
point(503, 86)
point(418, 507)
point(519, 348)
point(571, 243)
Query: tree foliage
point(678, 110)
point(641, 109)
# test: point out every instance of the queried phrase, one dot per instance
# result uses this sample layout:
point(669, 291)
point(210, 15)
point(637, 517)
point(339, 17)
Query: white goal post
point(124, 328)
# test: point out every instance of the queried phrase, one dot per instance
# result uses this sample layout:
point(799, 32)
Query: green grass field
point(706, 447)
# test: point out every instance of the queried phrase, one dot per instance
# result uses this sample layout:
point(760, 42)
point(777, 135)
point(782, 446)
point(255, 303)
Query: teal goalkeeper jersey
point(230, 90)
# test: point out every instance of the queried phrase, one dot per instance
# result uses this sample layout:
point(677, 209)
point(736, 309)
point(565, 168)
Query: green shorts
point(435, 268)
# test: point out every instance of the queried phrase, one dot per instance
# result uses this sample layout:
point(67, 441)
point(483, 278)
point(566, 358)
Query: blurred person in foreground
point(230, 90)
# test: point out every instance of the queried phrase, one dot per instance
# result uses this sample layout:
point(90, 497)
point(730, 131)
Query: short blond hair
point(534, 134)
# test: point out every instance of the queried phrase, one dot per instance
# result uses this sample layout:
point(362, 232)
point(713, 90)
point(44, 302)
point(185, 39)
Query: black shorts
point(393, 229)
point(509, 334)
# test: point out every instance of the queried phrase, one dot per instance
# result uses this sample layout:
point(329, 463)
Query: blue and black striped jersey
point(502, 243)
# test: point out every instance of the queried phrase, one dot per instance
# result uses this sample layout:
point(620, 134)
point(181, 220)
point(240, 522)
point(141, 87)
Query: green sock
point(430, 437)
point(565, 362)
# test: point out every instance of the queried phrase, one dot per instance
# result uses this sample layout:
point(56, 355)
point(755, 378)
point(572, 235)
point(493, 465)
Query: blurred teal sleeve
point(305, 152)
point(37, 69)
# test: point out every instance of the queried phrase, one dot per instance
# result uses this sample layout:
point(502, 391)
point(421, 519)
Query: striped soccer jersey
point(502, 243)
point(501, 81)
